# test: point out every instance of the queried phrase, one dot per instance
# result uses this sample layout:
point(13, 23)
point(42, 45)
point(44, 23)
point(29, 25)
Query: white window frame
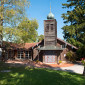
point(20, 54)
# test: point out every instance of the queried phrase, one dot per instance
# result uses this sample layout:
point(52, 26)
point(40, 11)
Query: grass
point(38, 76)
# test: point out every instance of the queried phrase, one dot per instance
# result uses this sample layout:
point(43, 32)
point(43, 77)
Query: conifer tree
point(74, 31)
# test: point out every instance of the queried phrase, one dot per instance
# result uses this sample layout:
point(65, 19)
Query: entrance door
point(50, 57)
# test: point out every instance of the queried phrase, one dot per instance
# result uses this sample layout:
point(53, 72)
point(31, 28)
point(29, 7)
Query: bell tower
point(50, 30)
point(50, 47)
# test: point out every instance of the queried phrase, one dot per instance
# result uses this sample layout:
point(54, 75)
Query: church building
point(54, 49)
point(50, 50)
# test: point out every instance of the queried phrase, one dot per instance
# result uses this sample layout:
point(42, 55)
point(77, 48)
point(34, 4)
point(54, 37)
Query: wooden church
point(50, 50)
point(54, 49)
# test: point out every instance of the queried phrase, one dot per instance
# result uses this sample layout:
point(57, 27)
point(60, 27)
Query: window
point(6, 54)
point(47, 28)
point(20, 54)
point(30, 54)
point(51, 27)
point(11, 54)
point(26, 54)
point(63, 46)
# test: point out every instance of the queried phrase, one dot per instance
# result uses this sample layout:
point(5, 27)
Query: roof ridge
point(67, 43)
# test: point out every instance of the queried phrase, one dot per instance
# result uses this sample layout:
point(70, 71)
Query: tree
point(11, 13)
point(71, 56)
point(74, 31)
point(40, 38)
point(83, 62)
point(80, 52)
point(27, 31)
point(1, 20)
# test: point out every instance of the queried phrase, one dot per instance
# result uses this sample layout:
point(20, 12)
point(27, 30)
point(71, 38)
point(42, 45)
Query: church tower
point(50, 30)
point(50, 49)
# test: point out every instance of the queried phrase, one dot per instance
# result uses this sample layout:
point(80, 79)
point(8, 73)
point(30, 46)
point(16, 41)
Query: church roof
point(10, 45)
point(67, 43)
point(57, 47)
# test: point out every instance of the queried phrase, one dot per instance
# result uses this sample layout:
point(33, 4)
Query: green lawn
point(35, 76)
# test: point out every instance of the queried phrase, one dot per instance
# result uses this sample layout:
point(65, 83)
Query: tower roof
point(50, 15)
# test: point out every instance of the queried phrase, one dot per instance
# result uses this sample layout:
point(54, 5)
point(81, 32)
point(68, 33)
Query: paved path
point(75, 68)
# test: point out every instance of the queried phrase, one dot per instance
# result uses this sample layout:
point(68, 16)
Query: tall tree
point(74, 31)
point(26, 31)
point(1, 19)
point(11, 13)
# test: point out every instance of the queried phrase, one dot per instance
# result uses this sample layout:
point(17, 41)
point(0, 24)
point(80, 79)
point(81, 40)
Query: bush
point(81, 53)
point(60, 61)
point(71, 56)
point(37, 61)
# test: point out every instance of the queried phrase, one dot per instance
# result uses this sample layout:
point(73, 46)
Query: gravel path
point(75, 69)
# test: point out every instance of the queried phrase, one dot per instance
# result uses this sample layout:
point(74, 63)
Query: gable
point(62, 42)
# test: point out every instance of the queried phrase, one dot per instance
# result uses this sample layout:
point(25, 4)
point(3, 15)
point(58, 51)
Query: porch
point(51, 54)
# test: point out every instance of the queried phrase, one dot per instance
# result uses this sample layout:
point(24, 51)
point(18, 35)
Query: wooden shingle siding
point(50, 32)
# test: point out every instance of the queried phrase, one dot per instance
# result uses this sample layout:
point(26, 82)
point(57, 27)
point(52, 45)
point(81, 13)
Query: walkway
point(75, 69)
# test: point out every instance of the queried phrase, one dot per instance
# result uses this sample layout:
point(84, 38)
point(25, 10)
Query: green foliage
point(75, 22)
point(80, 52)
point(17, 28)
point(71, 56)
point(37, 61)
point(28, 29)
point(12, 13)
point(83, 62)
point(25, 32)
point(40, 38)
point(60, 61)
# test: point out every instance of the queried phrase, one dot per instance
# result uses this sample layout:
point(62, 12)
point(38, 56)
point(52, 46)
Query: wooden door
point(49, 57)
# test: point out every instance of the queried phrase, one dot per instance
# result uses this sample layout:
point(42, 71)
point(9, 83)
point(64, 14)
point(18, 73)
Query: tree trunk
point(84, 71)
point(1, 22)
point(1, 25)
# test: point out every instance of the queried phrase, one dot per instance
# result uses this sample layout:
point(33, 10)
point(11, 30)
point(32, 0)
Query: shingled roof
point(10, 45)
point(67, 43)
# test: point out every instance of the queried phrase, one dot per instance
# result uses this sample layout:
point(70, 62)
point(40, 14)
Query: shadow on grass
point(39, 76)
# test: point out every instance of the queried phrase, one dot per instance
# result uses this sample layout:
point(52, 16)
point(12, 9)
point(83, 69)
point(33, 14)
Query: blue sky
point(39, 9)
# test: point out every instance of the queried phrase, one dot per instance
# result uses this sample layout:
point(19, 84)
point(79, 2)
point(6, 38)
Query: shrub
point(83, 61)
point(37, 61)
point(71, 56)
point(60, 61)
point(81, 53)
